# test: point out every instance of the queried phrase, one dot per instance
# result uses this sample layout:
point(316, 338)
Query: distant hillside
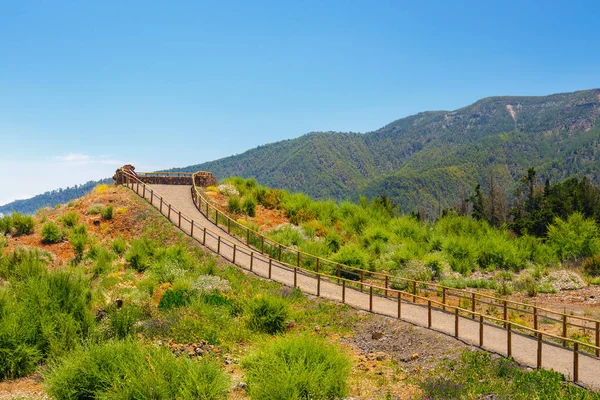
point(52, 198)
point(432, 159)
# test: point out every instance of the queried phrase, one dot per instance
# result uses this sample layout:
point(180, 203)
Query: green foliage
point(42, 314)
point(70, 219)
point(267, 314)
point(78, 239)
point(173, 298)
point(297, 367)
point(233, 205)
point(118, 245)
point(6, 225)
point(95, 209)
point(51, 233)
point(249, 206)
point(107, 213)
point(117, 370)
point(354, 256)
point(575, 238)
point(22, 224)
point(591, 266)
point(140, 253)
point(477, 375)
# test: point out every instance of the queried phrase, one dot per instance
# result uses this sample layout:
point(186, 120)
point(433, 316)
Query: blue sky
point(86, 86)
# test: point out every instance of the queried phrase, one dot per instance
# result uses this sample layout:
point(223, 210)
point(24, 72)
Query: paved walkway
point(495, 338)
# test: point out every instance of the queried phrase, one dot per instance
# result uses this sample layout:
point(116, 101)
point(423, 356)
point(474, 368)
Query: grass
point(131, 370)
point(477, 375)
point(51, 233)
point(297, 367)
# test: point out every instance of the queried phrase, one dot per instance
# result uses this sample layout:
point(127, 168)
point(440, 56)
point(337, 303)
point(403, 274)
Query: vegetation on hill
point(457, 250)
point(128, 307)
point(51, 198)
point(430, 161)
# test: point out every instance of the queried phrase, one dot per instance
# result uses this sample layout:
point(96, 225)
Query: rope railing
point(418, 293)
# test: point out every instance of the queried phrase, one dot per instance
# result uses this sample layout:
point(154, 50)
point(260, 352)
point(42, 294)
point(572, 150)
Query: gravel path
point(495, 338)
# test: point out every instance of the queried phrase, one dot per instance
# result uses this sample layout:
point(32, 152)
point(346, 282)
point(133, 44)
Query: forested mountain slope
point(432, 159)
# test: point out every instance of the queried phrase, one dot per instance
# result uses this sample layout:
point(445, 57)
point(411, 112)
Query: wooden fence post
point(344, 291)
point(444, 298)
point(370, 298)
point(192, 229)
point(399, 305)
point(318, 285)
point(539, 351)
point(169, 215)
point(509, 340)
point(251, 260)
point(456, 322)
point(575, 362)
point(429, 313)
point(179, 219)
point(564, 329)
point(481, 331)
point(505, 314)
point(414, 290)
point(219, 244)
point(597, 338)
point(295, 276)
point(204, 237)
point(473, 305)
point(535, 318)
point(234, 248)
point(270, 266)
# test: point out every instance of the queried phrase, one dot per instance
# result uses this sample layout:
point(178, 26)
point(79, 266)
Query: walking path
point(524, 349)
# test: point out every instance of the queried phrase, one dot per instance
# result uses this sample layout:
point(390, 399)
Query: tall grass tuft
point(297, 367)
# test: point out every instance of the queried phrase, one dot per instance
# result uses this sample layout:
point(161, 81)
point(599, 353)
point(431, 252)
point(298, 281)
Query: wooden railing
point(483, 309)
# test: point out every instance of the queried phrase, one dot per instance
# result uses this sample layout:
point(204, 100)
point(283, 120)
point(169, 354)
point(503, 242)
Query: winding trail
point(524, 349)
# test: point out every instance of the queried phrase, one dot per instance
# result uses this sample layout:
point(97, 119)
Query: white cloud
point(74, 158)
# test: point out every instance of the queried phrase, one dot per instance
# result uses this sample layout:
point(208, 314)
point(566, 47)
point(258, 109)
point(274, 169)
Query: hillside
point(51, 198)
point(107, 301)
point(431, 160)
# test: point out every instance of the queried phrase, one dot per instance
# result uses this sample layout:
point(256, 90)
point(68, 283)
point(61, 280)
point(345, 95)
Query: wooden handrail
point(386, 290)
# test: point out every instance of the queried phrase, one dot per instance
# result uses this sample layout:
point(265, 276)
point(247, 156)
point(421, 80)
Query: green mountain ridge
point(431, 160)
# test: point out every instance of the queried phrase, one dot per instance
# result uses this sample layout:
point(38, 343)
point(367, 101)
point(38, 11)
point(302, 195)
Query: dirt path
point(495, 338)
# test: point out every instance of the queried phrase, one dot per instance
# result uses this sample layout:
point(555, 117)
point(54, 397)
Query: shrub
point(78, 240)
point(249, 206)
point(103, 261)
point(267, 314)
point(591, 266)
point(23, 224)
point(228, 190)
point(45, 315)
point(70, 219)
point(107, 213)
point(101, 188)
point(301, 367)
point(574, 238)
point(175, 298)
point(233, 205)
point(119, 245)
point(51, 233)
point(128, 370)
point(95, 209)
point(352, 255)
point(121, 321)
point(139, 254)
point(6, 225)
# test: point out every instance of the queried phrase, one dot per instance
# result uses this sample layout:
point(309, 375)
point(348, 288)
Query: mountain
point(433, 159)
point(51, 198)
point(428, 161)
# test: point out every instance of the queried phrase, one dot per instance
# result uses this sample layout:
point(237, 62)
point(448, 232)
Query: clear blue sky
point(86, 85)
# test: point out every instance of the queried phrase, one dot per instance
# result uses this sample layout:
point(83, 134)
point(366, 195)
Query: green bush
point(574, 238)
point(23, 224)
point(128, 370)
point(70, 219)
point(42, 314)
point(95, 209)
point(303, 367)
point(118, 245)
point(102, 261)
point(173, 298)
point(6, 225)
point(51, 233)
point(140, 253)
point(233, 205)
point(107, 213)
point(354, 256)
point(267, 314)
point(79, 240)
point(249, 206)
point(591, 266)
